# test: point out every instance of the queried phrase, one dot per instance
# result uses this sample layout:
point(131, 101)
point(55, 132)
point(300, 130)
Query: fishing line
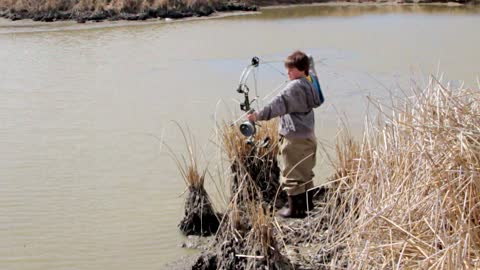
point(253, 71)
point(255, 87)
point(278, 88)
point(275, 90)
point(274, 68)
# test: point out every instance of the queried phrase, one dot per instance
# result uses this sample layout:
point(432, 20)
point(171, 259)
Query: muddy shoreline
point(194, 11)
point(295, 237)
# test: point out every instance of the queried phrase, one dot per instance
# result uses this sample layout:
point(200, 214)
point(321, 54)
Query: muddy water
point(85, 181)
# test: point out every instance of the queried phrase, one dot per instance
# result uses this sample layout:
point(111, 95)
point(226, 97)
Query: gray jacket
point(295, 106)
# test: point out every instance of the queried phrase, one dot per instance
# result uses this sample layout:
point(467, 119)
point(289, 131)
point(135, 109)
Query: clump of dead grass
point(263, 249)
point(200, 217)
point(246, 238)
point(257, 162)
point(408, 195)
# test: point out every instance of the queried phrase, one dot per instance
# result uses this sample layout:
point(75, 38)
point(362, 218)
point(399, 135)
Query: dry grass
point(261, 242)
point(408, 196)
point(234, 144)
point(254, 164)
point(200, 217)
point(188, 164)
point(262, 228)
point(237, 150)
point(246, 238)
point(129, 6)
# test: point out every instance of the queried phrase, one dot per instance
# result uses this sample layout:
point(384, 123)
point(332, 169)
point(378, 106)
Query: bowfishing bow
point(247, 128)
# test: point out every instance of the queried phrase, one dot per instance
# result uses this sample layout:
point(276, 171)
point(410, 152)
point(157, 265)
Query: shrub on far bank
point(99, 10)
point(127, 6)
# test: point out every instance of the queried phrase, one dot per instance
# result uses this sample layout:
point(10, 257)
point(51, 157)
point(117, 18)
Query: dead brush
point(257, 162)
point(91, 5)
point(34, 6)
point(326, 234)
point(233, 143)
point(230, 239)
point(128, 6)
point(200, 217)
point(118, 6)
point(236, 148)
point(245, 239)
point(408, 196)
point(26, 5)
point(263, 251)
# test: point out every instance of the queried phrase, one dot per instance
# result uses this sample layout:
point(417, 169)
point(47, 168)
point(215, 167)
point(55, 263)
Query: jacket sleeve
point(292, 99)
point(276, 107)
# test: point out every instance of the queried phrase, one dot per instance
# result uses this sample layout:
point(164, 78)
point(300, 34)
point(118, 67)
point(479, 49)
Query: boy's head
point(297, 65)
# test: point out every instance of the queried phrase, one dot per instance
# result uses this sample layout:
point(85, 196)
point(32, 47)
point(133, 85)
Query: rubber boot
point(302, 204)
point(287, 212)
point(296, 207)
point(309, 198)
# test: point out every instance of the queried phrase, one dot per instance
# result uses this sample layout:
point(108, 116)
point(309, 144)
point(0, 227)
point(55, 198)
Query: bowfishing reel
point(248, 128)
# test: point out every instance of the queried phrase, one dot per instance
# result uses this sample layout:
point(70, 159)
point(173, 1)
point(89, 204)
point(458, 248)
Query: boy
point(297, 147)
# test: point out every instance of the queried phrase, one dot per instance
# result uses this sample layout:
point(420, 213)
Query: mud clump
point(200, 218)
point(265, 175)
point(246, 240)
point(206, 261)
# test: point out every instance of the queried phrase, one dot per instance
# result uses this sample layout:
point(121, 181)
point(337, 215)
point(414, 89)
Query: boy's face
point(294, 73)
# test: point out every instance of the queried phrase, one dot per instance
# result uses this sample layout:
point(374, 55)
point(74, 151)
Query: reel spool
point(248, 128)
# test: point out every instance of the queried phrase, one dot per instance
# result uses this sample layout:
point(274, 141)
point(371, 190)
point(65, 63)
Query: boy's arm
point(276, 107)
point(288, 101)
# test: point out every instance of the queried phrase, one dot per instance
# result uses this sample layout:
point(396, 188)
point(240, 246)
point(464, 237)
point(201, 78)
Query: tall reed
point(408, 195)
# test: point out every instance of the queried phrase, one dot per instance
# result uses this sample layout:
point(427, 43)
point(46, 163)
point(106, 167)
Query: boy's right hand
point(252, 117)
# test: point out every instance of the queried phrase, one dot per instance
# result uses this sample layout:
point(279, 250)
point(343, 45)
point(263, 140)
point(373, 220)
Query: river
point(85, 179)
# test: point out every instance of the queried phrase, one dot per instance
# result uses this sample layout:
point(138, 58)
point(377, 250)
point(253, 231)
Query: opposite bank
point(132, 10)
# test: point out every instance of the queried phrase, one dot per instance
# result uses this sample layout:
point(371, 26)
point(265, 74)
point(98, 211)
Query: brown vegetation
point(129, 6)
point(255, 162)
point(98, 10)
point(246, 237)
point(200, 217)
point(407, 196)
point(414, 184)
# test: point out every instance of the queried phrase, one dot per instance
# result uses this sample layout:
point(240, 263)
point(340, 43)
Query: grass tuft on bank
point(200, 217)
point(98, 10)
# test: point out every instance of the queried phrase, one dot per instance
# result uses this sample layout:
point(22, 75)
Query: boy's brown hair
point(298, 60)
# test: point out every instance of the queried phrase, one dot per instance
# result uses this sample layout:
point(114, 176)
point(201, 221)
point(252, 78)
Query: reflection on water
point(86, 182)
